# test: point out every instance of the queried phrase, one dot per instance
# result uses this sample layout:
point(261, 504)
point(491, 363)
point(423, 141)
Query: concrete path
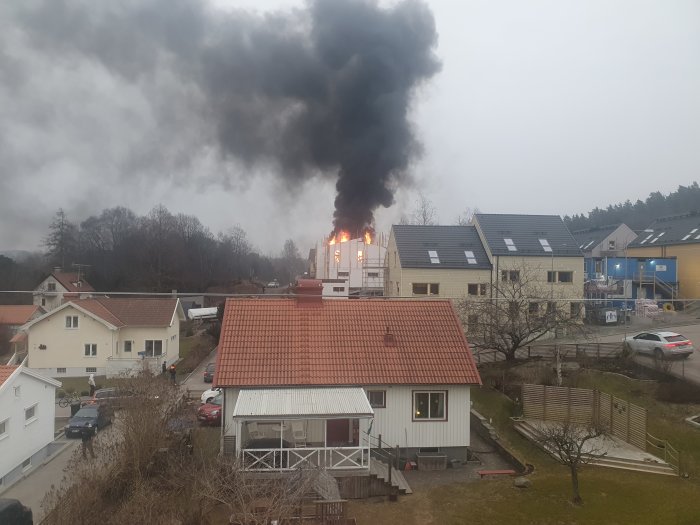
point(32, 489)
point(195, 381)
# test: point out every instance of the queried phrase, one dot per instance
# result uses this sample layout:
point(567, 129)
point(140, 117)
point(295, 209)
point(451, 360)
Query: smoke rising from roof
point(321, 91)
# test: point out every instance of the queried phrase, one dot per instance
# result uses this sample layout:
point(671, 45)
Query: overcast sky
point(539, 107)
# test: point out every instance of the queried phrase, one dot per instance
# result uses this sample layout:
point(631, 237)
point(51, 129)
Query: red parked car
point(210, 413)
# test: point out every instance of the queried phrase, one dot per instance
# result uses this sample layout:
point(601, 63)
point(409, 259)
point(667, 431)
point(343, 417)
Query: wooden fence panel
point(619, 417)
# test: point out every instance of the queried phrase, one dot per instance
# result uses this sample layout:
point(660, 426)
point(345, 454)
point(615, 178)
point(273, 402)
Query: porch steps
point(530, 432)
point(380, 470)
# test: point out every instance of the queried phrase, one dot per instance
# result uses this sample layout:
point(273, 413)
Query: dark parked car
point(210, 413)
point(209, 373)
point(92, 417)
point(112, 397)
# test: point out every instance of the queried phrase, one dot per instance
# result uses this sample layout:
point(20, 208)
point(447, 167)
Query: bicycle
point(68, 400)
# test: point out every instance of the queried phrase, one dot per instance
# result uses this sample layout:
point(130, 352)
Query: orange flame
point(368, 237)
point(341, 236)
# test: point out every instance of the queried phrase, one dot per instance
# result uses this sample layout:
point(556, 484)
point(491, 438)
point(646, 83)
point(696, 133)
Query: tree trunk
point(576, 495)
point(510, 354)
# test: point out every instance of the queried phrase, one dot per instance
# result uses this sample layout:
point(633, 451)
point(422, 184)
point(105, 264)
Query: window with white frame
point(153, 347)
point(377, 398)
point(91, 370)
point(60, 370)
point(128, 345)
point(90, 350)
point(430, 405)
point(30, 413)
point(3, 428)
point(71, 321)
point(51, 287)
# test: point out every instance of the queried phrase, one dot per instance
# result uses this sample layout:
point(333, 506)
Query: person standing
point(173, 371)
point(164, 367)
point(86, 435)
point(91, 382)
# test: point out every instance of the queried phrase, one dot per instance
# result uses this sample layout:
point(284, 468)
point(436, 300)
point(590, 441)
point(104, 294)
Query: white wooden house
point(27, 415)
point(313, 381)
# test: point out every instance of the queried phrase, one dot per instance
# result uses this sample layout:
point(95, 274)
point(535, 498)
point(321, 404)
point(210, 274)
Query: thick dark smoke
point(320, 91)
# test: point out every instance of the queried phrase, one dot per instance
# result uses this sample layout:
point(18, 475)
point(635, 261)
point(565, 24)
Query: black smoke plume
point(319, 91)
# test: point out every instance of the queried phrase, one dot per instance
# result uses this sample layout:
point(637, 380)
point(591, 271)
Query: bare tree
point(154, 467)
point(520, 310)
point(424, 212)
point(573, 445)
point(465, 217)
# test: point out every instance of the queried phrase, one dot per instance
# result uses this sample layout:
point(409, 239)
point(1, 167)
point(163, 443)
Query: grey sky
point(540, 107)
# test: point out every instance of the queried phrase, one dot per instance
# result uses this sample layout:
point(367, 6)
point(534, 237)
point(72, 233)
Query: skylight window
point(647, 238)
point(510, 245)
point(470, 257)
point(686, 237)
point(434, 259)
point(545, 245)
point(657, 238)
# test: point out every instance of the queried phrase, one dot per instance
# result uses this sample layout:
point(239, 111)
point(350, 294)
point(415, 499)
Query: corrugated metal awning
point(302, 402)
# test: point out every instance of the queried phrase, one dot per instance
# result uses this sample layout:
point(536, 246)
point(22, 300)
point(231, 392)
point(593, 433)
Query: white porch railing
point(330, 458)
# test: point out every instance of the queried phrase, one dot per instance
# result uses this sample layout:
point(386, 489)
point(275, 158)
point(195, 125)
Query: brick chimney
point(309, 291)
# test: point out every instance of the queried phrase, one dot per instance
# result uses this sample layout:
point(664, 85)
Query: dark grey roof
point(680, 229)
point(524, 232)
point(414, 243)
point(589, 239)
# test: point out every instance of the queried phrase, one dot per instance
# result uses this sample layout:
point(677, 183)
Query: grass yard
point(611, 497)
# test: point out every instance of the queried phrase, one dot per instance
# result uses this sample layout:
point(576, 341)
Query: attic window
point(434, 259)
point(470, 257)
point(545, 245)
point(510, 245)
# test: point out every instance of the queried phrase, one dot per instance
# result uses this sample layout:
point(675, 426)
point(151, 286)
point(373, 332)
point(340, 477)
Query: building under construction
point(349, 268)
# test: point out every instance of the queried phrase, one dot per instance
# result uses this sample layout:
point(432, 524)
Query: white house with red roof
point(105, 336)
point(313, 381)
point(27, 415)
point(60, 285)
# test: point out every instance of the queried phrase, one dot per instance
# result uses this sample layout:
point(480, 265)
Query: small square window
point(90, 350)
point(71, 321)
point(30, 413)
point(51, 287)
point(60, 370)
point(377, 398)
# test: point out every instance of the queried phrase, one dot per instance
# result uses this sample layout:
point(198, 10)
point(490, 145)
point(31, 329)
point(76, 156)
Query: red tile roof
point(69, 281)
point(5, 372)
point(122, 312)
point(283, 342)
point(17, 314)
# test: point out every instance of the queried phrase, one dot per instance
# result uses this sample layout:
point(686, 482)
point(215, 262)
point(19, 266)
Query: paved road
point(195, 381)
point(687, 368)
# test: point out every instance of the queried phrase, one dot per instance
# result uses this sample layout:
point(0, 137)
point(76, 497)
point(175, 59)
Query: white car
point(273, 284)
point(661, 345)
point(210, 394)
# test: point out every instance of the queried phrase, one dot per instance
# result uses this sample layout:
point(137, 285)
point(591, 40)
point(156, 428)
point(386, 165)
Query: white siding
point(24, 438)
point(396, 425)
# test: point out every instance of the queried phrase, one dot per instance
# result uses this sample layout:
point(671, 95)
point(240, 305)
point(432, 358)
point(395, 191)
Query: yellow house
point(540, 245)
point(678, 237)
point(441, 261)
point(105, 336)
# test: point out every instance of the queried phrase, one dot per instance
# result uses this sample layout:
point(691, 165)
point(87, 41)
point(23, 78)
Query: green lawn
point(611, 497)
